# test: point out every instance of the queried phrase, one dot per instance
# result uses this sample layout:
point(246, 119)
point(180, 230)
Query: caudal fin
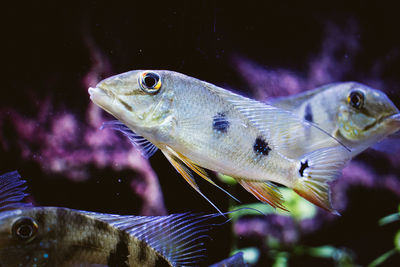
point(315, 170)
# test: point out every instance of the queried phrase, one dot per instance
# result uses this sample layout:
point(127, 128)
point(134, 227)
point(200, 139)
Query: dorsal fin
point(283, 129)
point(142, 144)
point(12, 191)
point(177, 237)
point(294, 101)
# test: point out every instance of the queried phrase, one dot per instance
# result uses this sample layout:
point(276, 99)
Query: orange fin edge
point(180, 167)
point(201, 172)
point(319, 197)
point(265, 192)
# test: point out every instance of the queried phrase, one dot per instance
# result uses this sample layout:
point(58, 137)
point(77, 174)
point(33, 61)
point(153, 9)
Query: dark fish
point(51, 236)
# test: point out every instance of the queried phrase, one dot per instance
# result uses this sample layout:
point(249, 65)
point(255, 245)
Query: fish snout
point(393, 122)
point(95, 92)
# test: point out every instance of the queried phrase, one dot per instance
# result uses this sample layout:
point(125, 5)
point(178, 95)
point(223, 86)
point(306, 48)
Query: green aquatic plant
point(395, 217)
point(280, 251)
point(298, 208)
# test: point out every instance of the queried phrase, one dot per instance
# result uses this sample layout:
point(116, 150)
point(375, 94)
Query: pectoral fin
point(265, 192)
point(146, 148)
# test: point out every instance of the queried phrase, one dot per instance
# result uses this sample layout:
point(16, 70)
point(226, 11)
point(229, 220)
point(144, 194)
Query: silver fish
point(357, 115)
point(199, 125)
point(52, 236)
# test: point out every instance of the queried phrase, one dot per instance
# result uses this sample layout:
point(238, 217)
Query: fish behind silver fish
point(199, 125)
point(52, 236)
point(357, 115)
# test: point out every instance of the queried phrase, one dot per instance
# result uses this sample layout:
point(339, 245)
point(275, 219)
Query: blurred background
point(49, 130)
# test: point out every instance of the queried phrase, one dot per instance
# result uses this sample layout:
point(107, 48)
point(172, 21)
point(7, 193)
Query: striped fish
point(52, 236)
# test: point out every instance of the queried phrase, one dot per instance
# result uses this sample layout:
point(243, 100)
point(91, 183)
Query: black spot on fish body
point(304, 165)
point(220, 123)
point(119, 256)
point(308, 115)
point(261, 146)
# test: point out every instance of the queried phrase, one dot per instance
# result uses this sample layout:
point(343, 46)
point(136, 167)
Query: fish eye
point(150, 82)
point(356, 99)
point(24, 229)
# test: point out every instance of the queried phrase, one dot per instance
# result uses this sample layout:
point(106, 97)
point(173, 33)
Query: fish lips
point(392, 123)
point(394, 120)
point(110, 103)
point(102, 97)
point(98, 94)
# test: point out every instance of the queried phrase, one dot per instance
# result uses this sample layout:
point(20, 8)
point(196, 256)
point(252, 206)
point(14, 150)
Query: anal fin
point(265, 192)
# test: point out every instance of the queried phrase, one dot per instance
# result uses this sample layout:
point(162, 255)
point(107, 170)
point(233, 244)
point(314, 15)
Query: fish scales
point(54, 236)
point(199, 125)
point(232, 152)
point(72, 238)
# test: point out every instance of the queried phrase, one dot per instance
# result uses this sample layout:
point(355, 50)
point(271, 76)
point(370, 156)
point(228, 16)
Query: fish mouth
point(110, 102)
point(98, 92)
point(100, 96)
point(393, 120)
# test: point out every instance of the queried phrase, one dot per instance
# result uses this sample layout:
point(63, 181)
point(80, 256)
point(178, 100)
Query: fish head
point(366, 113)
point(23, 238)
point(140, 98)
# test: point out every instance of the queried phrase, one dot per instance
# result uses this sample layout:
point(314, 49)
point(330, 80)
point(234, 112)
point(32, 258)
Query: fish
point(357, 115)
point(55, 236)
point(199, 126)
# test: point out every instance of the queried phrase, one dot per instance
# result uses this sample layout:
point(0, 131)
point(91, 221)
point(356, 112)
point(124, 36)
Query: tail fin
point(315, 170)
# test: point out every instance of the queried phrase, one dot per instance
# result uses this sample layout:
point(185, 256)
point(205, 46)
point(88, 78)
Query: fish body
point(54, 236)
point(68, 237)
point(199, 125)
point(357, 115)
